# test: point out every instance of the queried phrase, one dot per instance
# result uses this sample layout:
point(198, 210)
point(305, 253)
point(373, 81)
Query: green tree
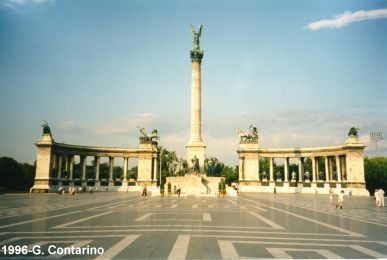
point(375, 173)
point(16, 176)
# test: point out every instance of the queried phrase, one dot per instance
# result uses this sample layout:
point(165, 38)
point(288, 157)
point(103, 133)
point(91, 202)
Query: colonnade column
point(338, 168)
point(330, 160)
point(317, 168)
point(300, 168)
point(314, 177)
point(59, 175)
point(271, 168)
point(111, 165)
point(286, 169)
point(326, 169)
point(96, 168)
point(83, 168)
point(125, 168)
point(70, 162)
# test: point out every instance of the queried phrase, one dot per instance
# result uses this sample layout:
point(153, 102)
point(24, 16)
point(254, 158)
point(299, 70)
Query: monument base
point(196, 150)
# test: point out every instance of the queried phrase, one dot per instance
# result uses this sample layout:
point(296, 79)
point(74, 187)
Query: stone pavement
point(127, 226)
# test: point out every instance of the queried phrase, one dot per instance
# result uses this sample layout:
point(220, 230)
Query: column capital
point(197, 55)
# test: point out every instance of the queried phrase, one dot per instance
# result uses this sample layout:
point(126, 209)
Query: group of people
point(340, 198)
point(72, 190)
point(379, 197)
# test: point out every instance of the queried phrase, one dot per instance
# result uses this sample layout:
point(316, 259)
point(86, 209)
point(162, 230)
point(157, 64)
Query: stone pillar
point(96, 169)
point(125, 168)
point(326, 169)
point(42, 182)
point(286, 169)
point(83, 168)
point(70, 166)
point(195, 146)
point(300, 168)
point(59, 167)
point(338, 168)
point(343, 168)
point(314, 177)
point(111, 165)
point(317, 168)
point(330, 160)
point(271, 168)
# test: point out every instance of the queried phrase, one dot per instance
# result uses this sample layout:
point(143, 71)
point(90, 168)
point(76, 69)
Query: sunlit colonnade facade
point(333, 167)
point(55, 165)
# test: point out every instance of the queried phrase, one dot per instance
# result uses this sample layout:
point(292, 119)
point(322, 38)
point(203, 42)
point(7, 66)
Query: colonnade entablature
point(55, 163)
point(316, 169)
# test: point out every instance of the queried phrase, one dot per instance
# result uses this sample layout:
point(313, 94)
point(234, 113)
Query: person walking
point(340, 199)
point(377, 197)
point(331, 195)
point(381, 197)
point(178, 191)
point(143, 191)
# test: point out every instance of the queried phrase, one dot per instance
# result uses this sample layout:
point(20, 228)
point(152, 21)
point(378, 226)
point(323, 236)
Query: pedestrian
point(377, 197)
point(178, 191)
point(381, 197)
point(90, 190)
point(331, 195)
point(143, 191)
point(275, 190)
point(340, 199)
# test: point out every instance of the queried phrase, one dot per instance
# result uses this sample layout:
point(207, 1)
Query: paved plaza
point(128, 226)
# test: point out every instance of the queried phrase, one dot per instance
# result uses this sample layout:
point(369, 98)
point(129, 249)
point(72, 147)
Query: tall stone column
point(111, 165)
point(338, 168)
point(71, 166)
point(96, 169)
point(125, 168)
point(286, 169)
point(300, 169)
point(271, 168)
point(83, 168)
point(314, 176)
point(59, 167)
point(195, 146)
point(326, 169)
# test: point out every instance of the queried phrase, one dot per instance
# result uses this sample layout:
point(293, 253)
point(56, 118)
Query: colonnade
point(334, 169)
point(53, 159)
point(339, 166)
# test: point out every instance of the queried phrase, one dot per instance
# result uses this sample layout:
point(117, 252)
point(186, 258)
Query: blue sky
point(303, 72)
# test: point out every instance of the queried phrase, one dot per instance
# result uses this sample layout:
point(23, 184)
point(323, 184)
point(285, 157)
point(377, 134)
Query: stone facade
point(344, 169)
point(50, 157)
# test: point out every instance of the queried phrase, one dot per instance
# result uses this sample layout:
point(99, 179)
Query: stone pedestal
point(42, 181)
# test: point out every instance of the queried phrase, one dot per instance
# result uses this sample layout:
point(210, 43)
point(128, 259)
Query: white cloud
point(66, 124)
point(348, 17)
point(125, 125)
point(15, 3)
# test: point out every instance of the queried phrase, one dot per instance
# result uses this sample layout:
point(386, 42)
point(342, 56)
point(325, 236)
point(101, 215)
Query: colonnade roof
point(303, 152)
point(61, 148)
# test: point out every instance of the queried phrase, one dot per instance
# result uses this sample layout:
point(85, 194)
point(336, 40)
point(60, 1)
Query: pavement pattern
point(252, 225)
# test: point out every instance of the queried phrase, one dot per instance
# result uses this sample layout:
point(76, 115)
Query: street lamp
point(376, 137)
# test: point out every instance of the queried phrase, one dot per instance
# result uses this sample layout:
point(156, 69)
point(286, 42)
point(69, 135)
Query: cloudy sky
point(303, 72)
